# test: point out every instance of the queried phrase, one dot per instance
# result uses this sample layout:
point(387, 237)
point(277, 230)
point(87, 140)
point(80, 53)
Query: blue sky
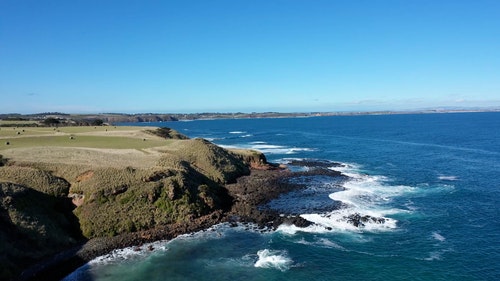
point(247, 55)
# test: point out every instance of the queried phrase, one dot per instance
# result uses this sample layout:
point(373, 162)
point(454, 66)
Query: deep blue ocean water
point(434, 178)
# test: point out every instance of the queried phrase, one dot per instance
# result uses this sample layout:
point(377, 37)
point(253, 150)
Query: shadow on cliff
point(36, 229)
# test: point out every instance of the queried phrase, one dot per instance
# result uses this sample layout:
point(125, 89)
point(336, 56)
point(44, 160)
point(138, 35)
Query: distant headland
point(66, 119)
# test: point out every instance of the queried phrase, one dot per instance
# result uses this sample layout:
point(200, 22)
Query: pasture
point(97, 146)
point(90, 137)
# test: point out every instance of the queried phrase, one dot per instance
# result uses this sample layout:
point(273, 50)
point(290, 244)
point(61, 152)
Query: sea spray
point(273, 259)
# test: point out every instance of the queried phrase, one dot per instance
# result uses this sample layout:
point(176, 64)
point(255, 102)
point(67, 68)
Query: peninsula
point(70, 194)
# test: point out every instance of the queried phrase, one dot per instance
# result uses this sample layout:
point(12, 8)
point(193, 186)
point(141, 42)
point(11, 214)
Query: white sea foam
point(273, 259)
point(237, 132)
point(277, 149)
point(434, 256)
point(129, 253)
point(365, 205)
point(216, 231)
point(438, 236)
point(323, 243)
point(267, 148)
point(448, 178)
point(292, 229)
point(294, 150)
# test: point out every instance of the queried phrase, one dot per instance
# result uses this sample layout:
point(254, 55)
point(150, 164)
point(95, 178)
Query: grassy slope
point(123, 179)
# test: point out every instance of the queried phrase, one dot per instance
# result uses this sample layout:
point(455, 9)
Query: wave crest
point(273, 259)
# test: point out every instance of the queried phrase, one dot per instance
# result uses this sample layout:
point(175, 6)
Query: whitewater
point(418, 201)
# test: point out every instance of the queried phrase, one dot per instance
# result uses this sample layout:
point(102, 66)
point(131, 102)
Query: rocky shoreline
point(59, 211)
point(249, 194)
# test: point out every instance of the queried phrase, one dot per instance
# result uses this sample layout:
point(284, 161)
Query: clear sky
point(247, 55)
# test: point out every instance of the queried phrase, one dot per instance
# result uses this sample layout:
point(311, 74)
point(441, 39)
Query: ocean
point(434, 179)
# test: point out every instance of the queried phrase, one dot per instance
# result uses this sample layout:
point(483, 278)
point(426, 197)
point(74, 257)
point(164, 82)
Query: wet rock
point(297, 221)
point(359, 221)
point(313, 163)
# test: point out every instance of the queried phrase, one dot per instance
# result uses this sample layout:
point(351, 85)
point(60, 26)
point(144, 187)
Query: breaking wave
point(363, 204)
point(273, 259)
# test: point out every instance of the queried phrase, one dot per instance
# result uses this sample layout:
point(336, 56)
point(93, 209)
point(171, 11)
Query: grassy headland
point(60, 187)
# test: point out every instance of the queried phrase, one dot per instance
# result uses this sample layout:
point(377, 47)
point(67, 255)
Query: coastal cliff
point(82, 201)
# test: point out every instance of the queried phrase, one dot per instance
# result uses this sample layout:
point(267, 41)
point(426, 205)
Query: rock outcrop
point(359, 221)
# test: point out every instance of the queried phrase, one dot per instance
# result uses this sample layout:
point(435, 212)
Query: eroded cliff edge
point(56, 215)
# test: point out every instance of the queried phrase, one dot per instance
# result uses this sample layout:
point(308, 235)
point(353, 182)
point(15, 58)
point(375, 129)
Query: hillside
point(63, 186)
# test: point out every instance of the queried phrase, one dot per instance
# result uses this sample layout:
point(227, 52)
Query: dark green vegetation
point(35, 217)
point(185, 184)
point(167, 133)
point(47, 207)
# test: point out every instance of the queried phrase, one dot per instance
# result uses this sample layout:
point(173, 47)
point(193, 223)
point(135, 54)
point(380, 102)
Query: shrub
point(215, 162)
point(167, 133)
point(97, 122)
point(51, 121)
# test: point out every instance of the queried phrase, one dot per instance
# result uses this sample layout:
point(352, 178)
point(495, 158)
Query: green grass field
point(11, 131)
point(85, 146)
point(91, 137)
point(83, 141)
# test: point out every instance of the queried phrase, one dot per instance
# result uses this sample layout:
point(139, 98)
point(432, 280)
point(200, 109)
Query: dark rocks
point(158, 175)
point(359, 221)
point(312, 163)
point(319, 171)
point(252, 192)
point(297, 221)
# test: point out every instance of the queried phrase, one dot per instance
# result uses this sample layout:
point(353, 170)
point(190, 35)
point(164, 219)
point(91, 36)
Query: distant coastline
point(65, 119)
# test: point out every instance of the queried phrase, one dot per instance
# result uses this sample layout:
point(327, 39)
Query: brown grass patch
point(85, 176)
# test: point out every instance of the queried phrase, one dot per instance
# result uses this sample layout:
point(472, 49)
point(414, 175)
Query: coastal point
point(92, 189)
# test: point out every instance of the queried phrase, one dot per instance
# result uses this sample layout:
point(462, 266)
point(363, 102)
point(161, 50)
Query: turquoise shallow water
point(434, 178)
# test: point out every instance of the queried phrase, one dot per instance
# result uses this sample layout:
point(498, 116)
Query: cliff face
point(45, 208)
point(33, 225)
